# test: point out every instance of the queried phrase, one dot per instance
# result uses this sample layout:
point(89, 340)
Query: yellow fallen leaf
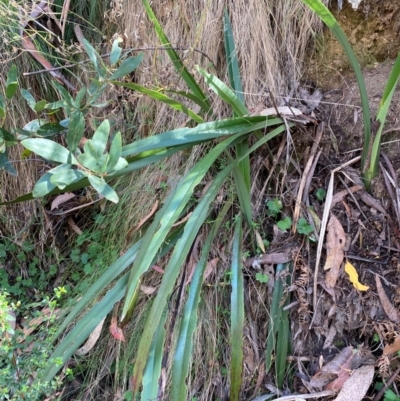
point(353, 275)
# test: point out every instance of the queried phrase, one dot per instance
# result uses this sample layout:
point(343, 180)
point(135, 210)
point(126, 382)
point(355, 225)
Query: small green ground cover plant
point(24, 357)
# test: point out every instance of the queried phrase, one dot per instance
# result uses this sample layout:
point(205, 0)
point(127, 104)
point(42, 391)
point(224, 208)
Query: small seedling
point(284, 224)
point(262, 277)
point(320, 194)
point(303, 227)
point(274, 207)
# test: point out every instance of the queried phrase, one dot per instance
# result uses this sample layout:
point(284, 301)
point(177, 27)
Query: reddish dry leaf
point(60, 199)
point(343, 375)
point(335, 243)
point(116, 331)
point(392, 348)
point(389, 309)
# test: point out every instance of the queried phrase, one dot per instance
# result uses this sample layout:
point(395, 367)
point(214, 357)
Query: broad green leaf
point(193, 225)
point(153, 367)
point(6, 136)
point(40, 105)
point(127, 66)
point(88, 161)
point(160, 97)
point(56, 105)
point(202, 133)
point(12, 82)
point(115, 51)
point(68, 100)
point(237, 312)
point(66, 177)
point(76, 130)
point(3, 107)
point(115, 151)
point(6, 165)
point(183, 352)
point(79, 97)
point(34, 125)
point(44, 185)
point(29, 98)
point(178, 64)
point(49, 150)
point(100, 138)
point(50, 129)
point(121, 164)
point(103, 188)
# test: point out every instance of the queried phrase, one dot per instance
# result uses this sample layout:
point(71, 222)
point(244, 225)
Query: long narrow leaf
point(178, 64)
point(203, 132)
point(237, 313)
point(153, 368)
point(182, 356)
point(331, 22)
point(232, 59)
point(181, 250)
point(160, 97)
point(275, 314)
point(224, 92)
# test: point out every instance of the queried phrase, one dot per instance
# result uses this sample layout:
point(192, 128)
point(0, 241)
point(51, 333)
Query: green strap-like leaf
point(232, 59)
point(202, 133)
point(180, 252)
point(160, 97)
point(237, 312)
point(153, 367)
point(178, 64)
point(183, 352)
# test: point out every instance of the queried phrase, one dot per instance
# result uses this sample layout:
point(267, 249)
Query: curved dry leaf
point(60, 199)
point(389, 309)
point(335, 243)
point(91, 341)
point(356, 386)
point(353, 275)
